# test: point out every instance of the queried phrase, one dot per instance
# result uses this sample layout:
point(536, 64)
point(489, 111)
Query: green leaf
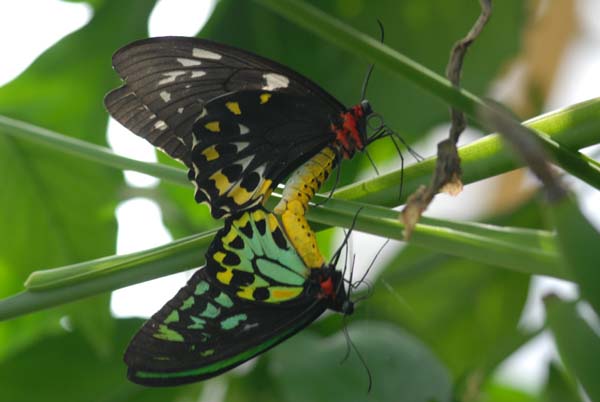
point(494, 392)
point(465, 311)
point(578, 344)
point(57, 209)
point(578, 241)
point(403, 369)
point(558, 387)
point(64, 368)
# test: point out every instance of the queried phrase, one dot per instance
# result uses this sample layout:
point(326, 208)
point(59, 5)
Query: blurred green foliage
point(434, 328)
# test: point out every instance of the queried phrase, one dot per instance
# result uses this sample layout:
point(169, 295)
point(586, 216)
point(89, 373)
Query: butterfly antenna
point(351, 274)
point(372, 263)
point(336, 255)
point(345, 257)
point(350, 345)
point(363, 92)
point(369, 293)
point(344, 272)
point(347, 336)
point(364, 364)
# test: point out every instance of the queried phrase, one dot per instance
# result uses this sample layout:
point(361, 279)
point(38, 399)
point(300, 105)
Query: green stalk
point(502, 246)
point(578, 343)
point(483, 243)
point(335, 31)
point(576, 127)
point(354, 41)
point(89, 151)
point(50, 288)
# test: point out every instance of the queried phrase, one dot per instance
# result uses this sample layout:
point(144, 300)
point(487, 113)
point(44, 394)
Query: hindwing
point(253, 257)
point(254, 292)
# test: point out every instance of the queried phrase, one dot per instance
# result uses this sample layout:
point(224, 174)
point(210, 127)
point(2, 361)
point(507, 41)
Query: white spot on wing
point(180, 110)
point(196, 170)
point(246, 161)
point(188, 62)
point(275, 81)
point(198, 73)
point(246, 327)
point(243, 129)
point(240, 146)
point(260, 170)
point(160, 125)
point(165, 96)
point(171, 76)
point(205, 54)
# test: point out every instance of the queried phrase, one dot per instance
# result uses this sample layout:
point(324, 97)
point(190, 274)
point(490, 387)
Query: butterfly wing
point(170, 83)
point(253, 293)
point(206, 330)
point(248, 141)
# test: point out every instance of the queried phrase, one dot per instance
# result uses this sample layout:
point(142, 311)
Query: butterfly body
point(254, 292)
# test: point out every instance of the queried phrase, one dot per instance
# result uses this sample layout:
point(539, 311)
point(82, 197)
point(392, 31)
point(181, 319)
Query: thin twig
point(447, 176)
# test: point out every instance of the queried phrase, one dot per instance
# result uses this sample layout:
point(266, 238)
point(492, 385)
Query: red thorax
point(348, 136)
point(327, 288)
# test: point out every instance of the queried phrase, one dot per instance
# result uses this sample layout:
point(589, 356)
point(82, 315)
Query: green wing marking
point(252, 256)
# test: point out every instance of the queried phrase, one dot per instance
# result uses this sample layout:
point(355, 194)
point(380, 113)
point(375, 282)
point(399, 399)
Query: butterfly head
point(331, 287)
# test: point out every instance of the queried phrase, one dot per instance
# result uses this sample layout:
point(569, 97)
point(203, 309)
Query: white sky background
point(140, 225)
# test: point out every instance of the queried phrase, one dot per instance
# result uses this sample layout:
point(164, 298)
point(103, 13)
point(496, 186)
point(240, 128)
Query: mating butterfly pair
point(241, 124)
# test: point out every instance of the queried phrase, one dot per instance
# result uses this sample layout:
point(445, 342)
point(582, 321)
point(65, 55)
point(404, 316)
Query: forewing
point(169, 80)
point(247, 142)
point(206, 330)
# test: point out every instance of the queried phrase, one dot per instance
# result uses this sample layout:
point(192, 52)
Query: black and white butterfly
point(240, 123)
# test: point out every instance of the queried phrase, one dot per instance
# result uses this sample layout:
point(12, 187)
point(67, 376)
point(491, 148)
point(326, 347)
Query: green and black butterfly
point(240, 123)
point(254, 292)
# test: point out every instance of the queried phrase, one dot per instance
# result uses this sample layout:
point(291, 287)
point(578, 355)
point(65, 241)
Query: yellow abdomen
point(299, 190)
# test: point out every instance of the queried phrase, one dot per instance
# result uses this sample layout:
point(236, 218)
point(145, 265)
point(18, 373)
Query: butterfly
point(254, 292)
point(240, 123)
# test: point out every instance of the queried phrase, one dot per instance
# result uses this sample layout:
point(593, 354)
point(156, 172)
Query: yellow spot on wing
point(210, 153)
point(273, 224)
point(229, 237)
point(242, 221)
point(213, 126)
point(234, 107)
point(246, 293)
point(240, 195)
point(258, 215)
point(219, 256)
point(284, 294)
point(264, 98)
point(225, 276)
point(221, 182)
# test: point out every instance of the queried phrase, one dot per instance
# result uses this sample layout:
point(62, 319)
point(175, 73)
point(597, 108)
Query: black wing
point(169, 82)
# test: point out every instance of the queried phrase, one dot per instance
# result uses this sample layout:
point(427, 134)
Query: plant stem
point(89, 151)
